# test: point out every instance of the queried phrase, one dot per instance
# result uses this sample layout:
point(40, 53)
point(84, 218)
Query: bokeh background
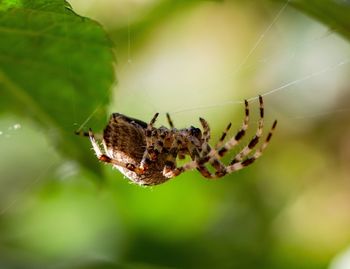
point(290, 209)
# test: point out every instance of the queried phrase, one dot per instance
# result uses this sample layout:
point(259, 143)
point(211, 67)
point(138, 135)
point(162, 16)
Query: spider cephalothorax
point(147, 155)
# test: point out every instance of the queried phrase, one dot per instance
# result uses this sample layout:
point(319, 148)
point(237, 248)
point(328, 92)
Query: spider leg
point(239, 165)
point(170, 173)
point(153, 120)
point(197, 162)
point(213, 155)
point(216, 164)
point(223, 136)
point(206, 149)
point(206, 130)
point(205, 138)
point(190, 166)
point(214, 161)
point(94, 144)
point(82, 133)
point(170, 169)
point(218, 153)
point(199, 155)
point(155, 143)
point(171, 124)
point(162, 141)
point(151, 135)
point(149, 153)
point(221, 171)
point(100, 155)
point(236, 164)
point(247, 149)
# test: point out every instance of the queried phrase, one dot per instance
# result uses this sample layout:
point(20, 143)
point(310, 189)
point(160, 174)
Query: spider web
point(287, 84)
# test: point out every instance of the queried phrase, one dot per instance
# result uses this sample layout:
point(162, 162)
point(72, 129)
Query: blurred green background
point(290, 209)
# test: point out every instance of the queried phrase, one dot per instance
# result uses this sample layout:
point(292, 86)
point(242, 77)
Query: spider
point(147, 155)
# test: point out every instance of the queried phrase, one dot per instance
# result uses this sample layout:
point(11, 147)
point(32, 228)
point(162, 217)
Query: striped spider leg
point(212, 156)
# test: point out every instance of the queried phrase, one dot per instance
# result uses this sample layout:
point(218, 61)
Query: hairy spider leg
point(162, 141)
point(240, 165)
point(255, 140)
point(239, 135)
point(207, 154)
point(149, 154)
point(223, 136)
point(195, 155)
point(206, 130)
point(181, 153)
point(151, 136)
point(205, 149)
point(170, 169)
point(194, 152)
point(214, 162)
point(182, 150)
point(199, 164)
point(221, 170)
point(219, 152)
point(205, 138)
point(171, 124)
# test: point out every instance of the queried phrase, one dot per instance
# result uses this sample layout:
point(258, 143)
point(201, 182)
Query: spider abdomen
point(125, 142)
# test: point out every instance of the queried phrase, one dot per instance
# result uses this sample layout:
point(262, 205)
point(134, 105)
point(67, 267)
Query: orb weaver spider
point(147, 155)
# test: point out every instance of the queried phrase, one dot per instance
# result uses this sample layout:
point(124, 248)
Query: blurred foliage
point(52, 59)
point(335, 14)
point(290, 210)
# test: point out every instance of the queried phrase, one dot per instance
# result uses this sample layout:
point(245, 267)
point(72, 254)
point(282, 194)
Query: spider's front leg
point(255, 140)
point(237, 165)
point(154, 145)
point(223, 170)
point(221, 150)
point(170, 169)
point(151, 136)
point(206, 151)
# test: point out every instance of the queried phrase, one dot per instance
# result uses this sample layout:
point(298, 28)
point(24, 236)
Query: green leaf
point(333, 13)
point(55, 67)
